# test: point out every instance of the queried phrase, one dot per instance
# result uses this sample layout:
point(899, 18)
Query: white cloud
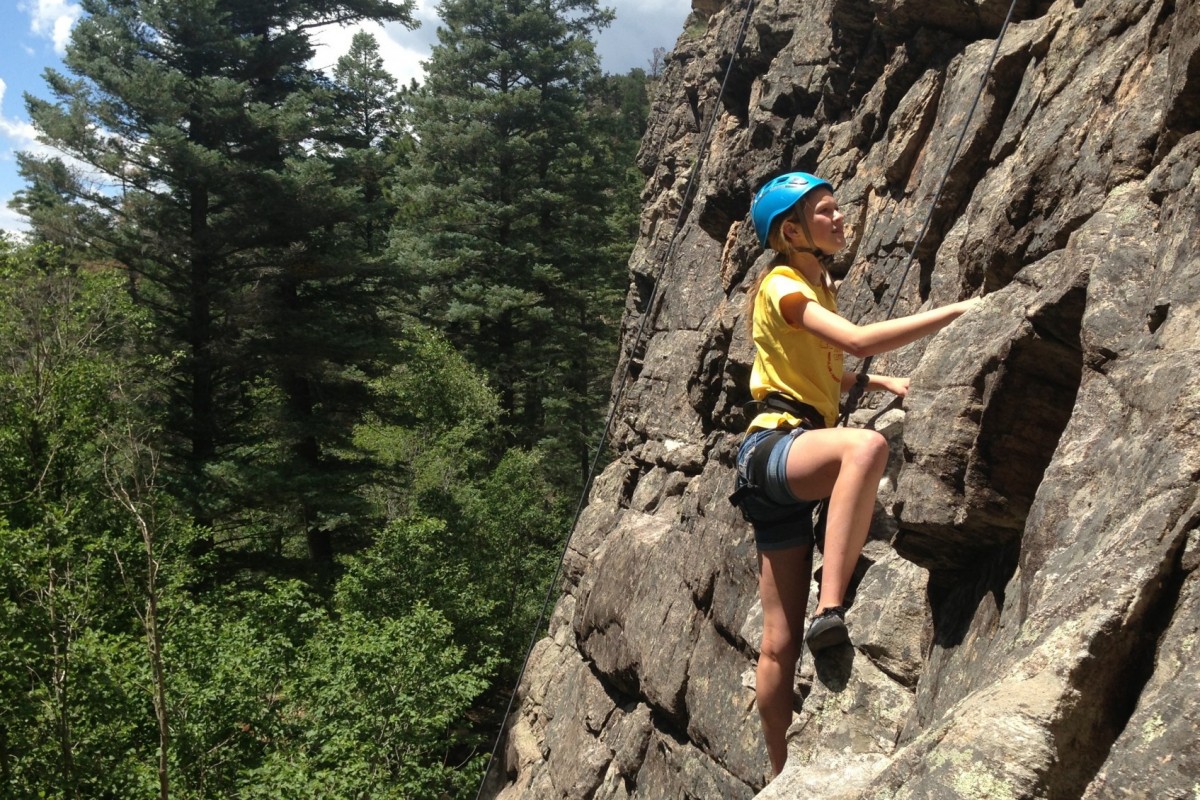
point(11, 221)
point(52, 19)
point(645, 6)
point(640, 27)
point(426, 11)
point(401, 51)
point(16, 134)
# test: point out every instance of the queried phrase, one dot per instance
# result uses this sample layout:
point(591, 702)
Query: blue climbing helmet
point(777, 196)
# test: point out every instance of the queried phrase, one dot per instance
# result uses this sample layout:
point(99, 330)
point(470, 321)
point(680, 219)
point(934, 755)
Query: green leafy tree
point(372, 712)
point(234, 657)
point(71, 712)
point(203, 127)
point(504, 225)
point(471, 536)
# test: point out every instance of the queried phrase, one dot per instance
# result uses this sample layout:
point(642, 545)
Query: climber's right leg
point(784, 577)
point(845, 465)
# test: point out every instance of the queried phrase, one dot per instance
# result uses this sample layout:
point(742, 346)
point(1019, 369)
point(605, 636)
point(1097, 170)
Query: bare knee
point(783, 650)
point(869, 451)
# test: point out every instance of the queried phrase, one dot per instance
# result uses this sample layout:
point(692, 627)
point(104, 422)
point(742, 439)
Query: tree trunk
point(203, 429)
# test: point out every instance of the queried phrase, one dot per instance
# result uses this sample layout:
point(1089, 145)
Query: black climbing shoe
point(827, 629)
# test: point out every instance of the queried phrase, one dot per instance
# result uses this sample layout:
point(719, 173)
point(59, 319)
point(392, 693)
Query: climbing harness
point(750, 495)
point(778, 401)
point(860, 382)
point(684, 207)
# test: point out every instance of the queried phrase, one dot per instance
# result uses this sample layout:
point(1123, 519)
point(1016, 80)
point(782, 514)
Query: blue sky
point(37, 32)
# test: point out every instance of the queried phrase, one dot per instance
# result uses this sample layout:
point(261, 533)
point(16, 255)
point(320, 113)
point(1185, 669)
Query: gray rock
point(1026, 614)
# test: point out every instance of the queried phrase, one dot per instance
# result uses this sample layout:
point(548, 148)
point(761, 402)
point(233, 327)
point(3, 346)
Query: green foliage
point(71, 708)
point(504, 228)
point(523, 523)
point(480, 523)
point(268, 688)
point(285, 321)
point(371, 718)
point(229, 191)
point(71, 717)
point(230, 659)
point(58, 333)
point(432, 405)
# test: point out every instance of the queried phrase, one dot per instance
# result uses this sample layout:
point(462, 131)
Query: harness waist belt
point(778, 401)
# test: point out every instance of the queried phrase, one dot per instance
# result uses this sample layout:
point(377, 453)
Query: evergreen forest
point(301, 376)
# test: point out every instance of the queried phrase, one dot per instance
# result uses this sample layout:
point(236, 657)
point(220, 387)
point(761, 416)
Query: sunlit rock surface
point(1027, 618)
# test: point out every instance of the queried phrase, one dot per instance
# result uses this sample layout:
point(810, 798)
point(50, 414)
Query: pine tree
point(370, 135)
point(202, 127)
point(504, 216)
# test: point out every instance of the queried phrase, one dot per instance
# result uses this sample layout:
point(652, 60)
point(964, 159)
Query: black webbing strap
point(856, 392)
point(757, 466)
point(778, 401)
point(775, 401)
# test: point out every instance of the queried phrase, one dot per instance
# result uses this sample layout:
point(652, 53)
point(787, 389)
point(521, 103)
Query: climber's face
point(825, 224)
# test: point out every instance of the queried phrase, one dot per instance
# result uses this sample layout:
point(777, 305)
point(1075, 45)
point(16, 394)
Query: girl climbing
point(793, 456)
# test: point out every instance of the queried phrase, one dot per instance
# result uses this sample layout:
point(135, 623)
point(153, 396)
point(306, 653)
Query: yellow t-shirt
point(792, 360)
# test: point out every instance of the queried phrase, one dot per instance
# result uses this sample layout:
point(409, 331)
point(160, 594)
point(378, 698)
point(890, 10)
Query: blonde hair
point(783, 253)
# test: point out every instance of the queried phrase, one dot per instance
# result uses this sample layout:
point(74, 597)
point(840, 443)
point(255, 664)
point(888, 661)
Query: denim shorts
point(780, 519)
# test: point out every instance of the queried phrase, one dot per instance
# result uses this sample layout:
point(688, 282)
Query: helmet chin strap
point(814, 250)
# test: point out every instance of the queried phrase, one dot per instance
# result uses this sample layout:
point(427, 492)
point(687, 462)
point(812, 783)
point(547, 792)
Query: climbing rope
point(685, 206)
point(860, 383)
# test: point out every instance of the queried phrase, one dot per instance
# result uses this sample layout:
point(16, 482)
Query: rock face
point(1026, 621)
